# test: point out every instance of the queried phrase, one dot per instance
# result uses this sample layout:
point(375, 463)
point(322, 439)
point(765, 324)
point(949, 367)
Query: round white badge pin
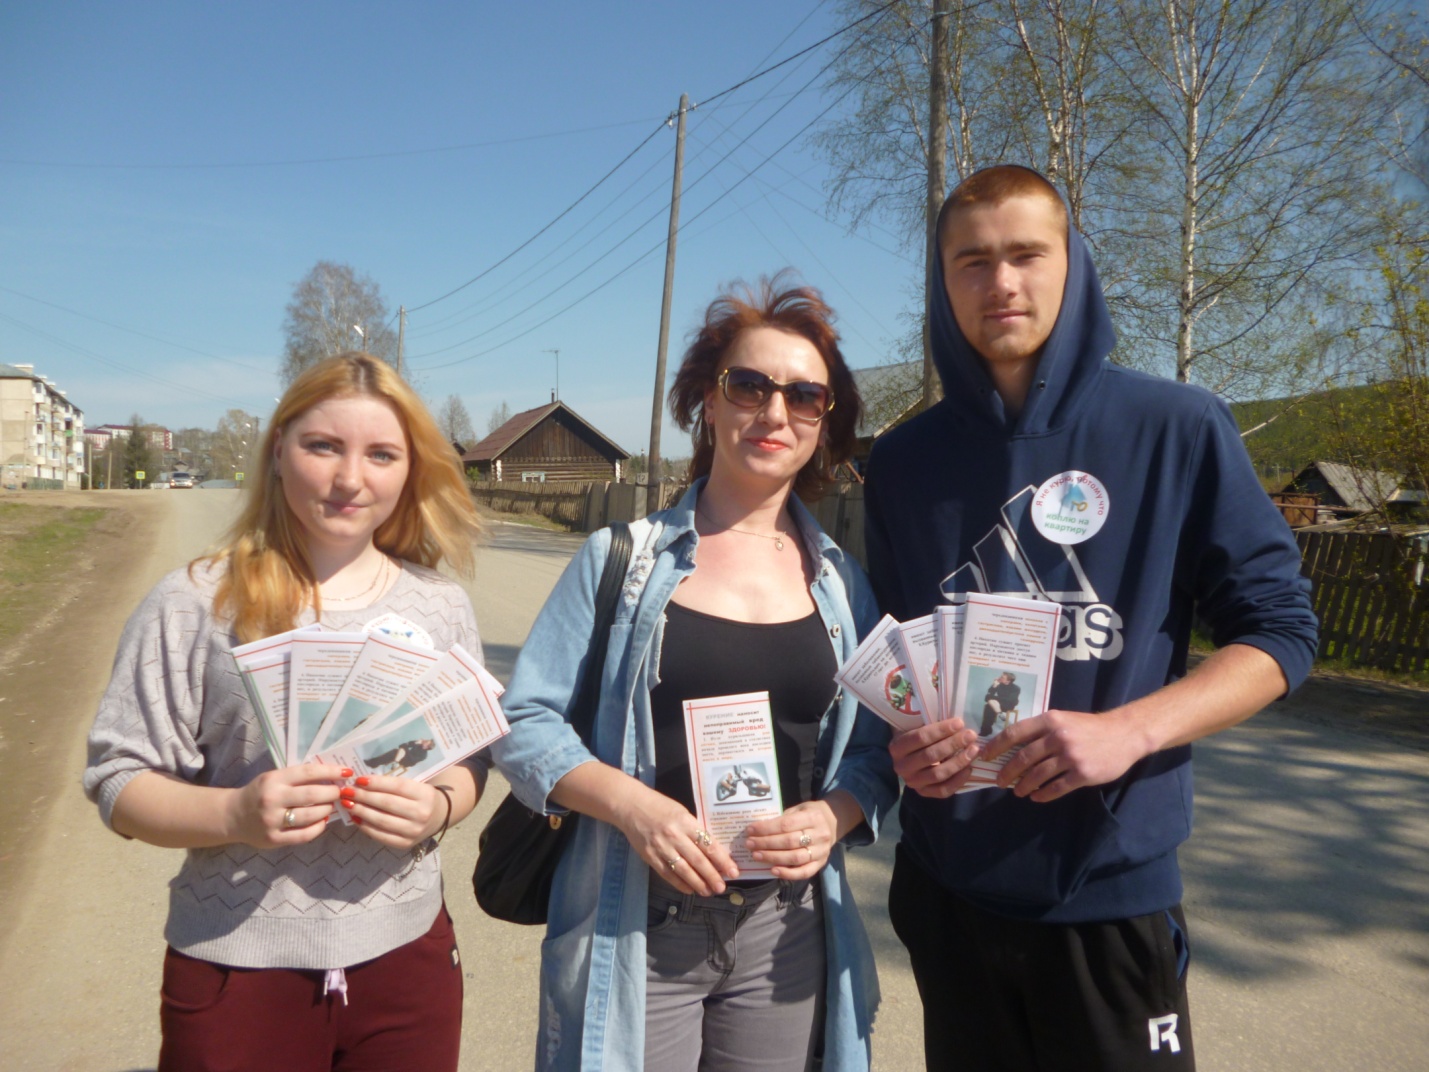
point(1070, 507)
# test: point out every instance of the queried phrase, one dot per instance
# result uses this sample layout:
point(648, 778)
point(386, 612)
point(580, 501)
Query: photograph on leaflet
point(733, 770)
point(385, 669)
point(878, 674)
point(1001, 692)
point(321, 663)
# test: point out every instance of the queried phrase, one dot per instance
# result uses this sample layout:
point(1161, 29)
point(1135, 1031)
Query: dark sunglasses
point(749, 389)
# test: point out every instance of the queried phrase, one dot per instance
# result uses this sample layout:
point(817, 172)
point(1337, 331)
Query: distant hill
point(1306, 432)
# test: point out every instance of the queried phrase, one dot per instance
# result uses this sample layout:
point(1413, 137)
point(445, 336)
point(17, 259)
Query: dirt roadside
point(67, 652)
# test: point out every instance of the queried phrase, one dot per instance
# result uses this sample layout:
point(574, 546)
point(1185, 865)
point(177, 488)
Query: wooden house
point(1341, 490)
point(548, 443)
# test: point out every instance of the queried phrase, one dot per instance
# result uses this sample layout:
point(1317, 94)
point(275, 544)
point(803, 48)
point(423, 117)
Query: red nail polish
point(348, 793)
point(347, 803)
point(363, 781)
point(347, 772)
point(357, 820)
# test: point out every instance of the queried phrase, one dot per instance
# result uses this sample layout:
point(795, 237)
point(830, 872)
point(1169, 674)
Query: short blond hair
point(268, 580)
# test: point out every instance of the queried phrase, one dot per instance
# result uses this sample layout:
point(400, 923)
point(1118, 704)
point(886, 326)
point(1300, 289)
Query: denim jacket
point(593, 959)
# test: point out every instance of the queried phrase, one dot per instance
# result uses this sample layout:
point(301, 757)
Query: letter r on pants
point(1163, 1029)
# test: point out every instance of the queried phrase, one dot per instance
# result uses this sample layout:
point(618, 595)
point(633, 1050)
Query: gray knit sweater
point(175, 704)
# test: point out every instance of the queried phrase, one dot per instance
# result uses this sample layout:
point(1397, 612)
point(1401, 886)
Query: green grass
point(38, 546)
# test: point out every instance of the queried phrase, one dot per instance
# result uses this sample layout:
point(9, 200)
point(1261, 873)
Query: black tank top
point(704, 656)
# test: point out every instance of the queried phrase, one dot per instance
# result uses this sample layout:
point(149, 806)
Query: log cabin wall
point(562, 449)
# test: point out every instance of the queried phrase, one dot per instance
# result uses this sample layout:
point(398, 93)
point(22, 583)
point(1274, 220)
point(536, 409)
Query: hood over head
point(1072, 357)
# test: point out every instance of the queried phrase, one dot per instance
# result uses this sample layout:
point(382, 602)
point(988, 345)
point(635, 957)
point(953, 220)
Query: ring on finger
point(703, 839)
point(805, 839)
point(673, 862)
point(290, 819)
point(811, 854)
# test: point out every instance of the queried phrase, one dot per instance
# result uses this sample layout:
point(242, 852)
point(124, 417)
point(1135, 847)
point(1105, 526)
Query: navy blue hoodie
point(1165, 516)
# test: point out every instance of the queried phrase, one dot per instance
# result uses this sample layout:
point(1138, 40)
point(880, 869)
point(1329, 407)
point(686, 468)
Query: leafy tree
point(455, 422)
point(328, 303)
point(499, 416)
point(138, 454)
point(233, 443)
point(1224, 158)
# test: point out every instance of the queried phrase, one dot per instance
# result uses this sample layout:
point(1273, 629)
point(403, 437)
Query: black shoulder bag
point(519, 848)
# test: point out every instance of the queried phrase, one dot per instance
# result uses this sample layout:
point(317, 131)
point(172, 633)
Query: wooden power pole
point(937, 186)
point(652, 478)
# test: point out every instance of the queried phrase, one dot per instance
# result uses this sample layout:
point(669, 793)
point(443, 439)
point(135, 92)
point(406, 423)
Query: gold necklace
point(778, 537)
point(379, 575)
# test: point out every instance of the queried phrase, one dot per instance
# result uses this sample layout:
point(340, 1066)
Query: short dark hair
point(772, 303)
point(996, 184)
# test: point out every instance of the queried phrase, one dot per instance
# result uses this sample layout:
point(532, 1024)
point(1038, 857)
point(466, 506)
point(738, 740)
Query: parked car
point(181, 480)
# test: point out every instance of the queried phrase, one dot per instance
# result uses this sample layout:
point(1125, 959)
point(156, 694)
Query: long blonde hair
point(269, 578)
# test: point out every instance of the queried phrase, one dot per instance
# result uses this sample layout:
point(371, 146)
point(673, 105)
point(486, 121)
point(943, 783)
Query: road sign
point(238, 477)
point(138, 474)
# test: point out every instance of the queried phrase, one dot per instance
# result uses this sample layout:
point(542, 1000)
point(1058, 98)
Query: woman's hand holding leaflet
point(287, 806)
point(797, 843)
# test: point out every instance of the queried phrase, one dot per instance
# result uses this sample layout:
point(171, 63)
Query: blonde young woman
point(659, 956)
point(293, 943)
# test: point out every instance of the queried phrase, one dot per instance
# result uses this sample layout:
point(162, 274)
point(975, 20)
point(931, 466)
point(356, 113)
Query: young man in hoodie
point(1043, 917)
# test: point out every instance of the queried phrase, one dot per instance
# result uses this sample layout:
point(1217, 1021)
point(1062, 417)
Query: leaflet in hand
point(1008, 653)
point(385, 668)
point(263, 668)
point(321, 663)
point(879, 676)
point(338, 690)
point(425, 741)
point(988, 662)
point(733, 769)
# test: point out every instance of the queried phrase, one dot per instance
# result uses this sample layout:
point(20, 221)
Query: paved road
point(1307, 883)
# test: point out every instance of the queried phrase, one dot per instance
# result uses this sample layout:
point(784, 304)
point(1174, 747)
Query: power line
point(389, 155)
point(135, 331)
point(168, 383)
point(658, 212)
point(566, 211)
point(658, 245)
point(667, 122)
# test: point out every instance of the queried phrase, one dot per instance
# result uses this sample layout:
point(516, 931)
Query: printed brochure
point(733, 769)
point(879, 676)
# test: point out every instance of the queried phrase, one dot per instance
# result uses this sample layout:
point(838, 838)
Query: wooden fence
point(1370, 596)
point(581, 506)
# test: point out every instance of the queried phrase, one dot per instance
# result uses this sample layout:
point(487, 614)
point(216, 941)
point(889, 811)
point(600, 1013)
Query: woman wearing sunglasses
point(658, 954)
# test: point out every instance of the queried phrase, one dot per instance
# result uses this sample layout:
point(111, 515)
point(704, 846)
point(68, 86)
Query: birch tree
point(1260, 119)
point(334, 310)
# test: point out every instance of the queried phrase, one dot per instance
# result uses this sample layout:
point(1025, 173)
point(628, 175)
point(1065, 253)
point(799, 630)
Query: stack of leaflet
point(369, 701)
point(987, 661)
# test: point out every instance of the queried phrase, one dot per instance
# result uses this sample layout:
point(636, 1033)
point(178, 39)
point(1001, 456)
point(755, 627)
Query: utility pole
point(401, 334)
point(558, 373)
point(659, 407)
point(937, 185)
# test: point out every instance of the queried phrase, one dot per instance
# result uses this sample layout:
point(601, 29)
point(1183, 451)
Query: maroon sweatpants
point(403, 1012)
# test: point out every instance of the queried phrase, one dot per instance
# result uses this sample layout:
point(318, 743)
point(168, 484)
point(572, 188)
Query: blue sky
point(168, 171)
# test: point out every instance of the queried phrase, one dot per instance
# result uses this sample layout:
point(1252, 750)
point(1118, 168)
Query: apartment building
point(41, 432)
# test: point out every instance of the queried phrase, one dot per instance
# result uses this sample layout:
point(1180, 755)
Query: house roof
point(1359, 489)
point(494, 445)
point(889, 392)
point(13, 372)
